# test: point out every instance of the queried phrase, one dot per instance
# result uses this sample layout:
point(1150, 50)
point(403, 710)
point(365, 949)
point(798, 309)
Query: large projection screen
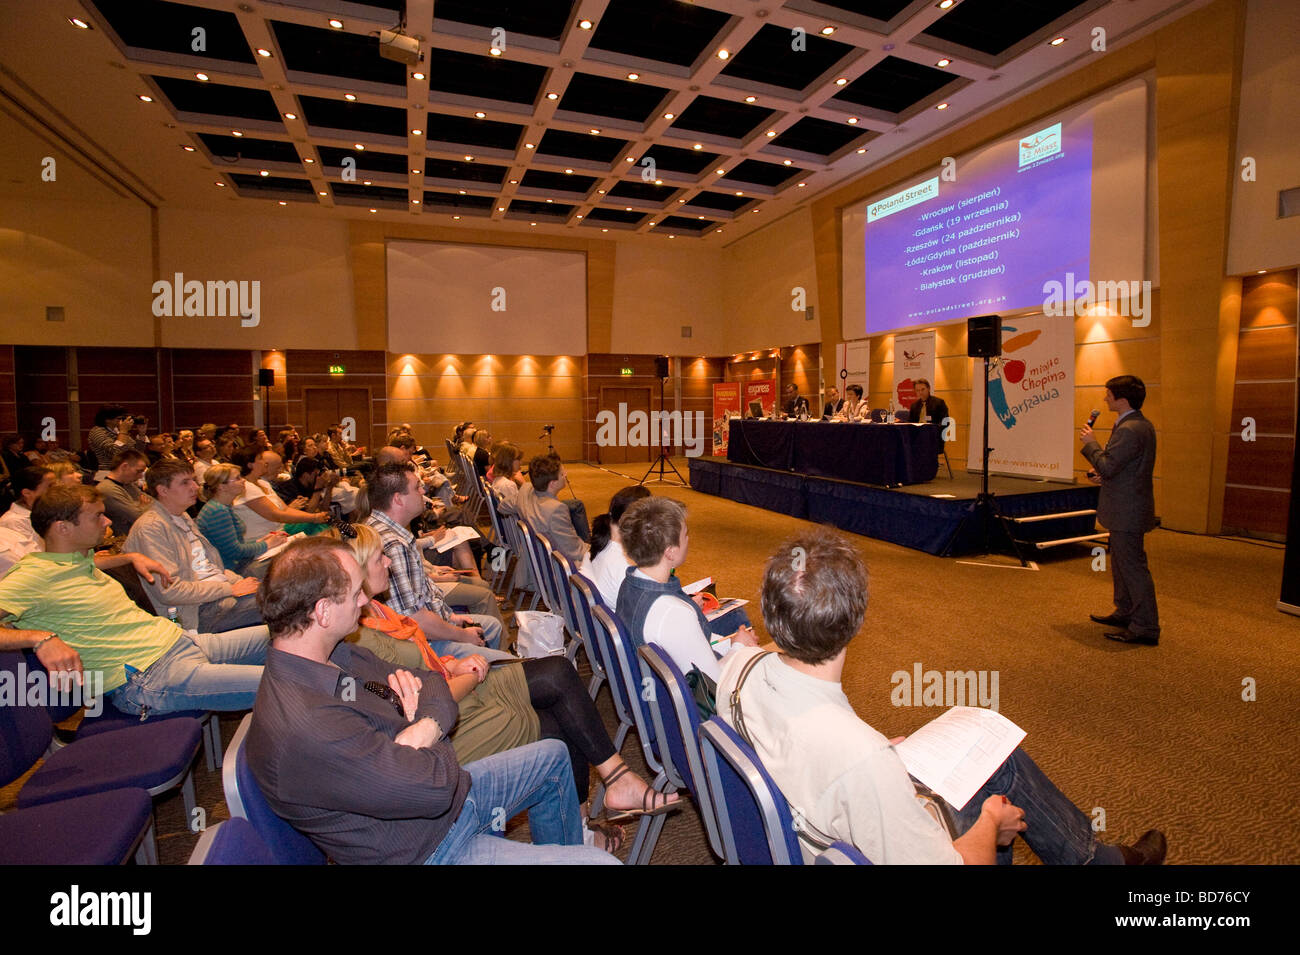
point(1098, 227)
point(445, 298)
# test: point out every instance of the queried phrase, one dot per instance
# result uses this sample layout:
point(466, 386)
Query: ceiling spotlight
point(699, 217)
point(374, 210)
point(802, 184)
point(659, 182)
point(188, 149)
point(417, 132)
point(494, 51)
point(79, 23)
point(771, 133)
point(359, 147)
point(945, 4)
point(669, 115)
point(631, 159)
point(514, 182)
point(263, 51)
point(601, 191)
point(550, 200)
point(501, 208)
point(461, 191)
point(336, 24)
point(455, 217)
point(634, 76)
point(532, 223)
point(417, 76)
point(722, 172)
point(717, 230)
point(264, 173)
point(321, 193)
point(594, 132)
point(698, 146)
point(220, 183)
point(290, 115)
point(235, 132)
point(528, 145)
point(625, 208)
point(201, 77)
point(841, 81)
point(415, 202)
point(739, 193)
point(942, 63)
point(750, 99)
point(309, 161)
point(552, 95)
point(1058, 41)
point(681, 200)
point(416, 171)
point(852, 120)
point(827, 31)
point(350, 97)
point(568, 172)
point(942, 106)
point(145, 99)
point(723, 54)
point(365, 182)
point(480, 115)
point(283, 203)
point(584, 24)
point(604, 230)
point(469, 158)
point(787, 163)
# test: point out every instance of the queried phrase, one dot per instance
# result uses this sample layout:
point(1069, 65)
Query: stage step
point(1043, 545)
point(1052, 517)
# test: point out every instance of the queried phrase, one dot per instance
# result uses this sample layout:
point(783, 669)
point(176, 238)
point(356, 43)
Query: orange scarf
point(386, 620)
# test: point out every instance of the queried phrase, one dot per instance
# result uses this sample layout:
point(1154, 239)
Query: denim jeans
point(535, 777)
point(459, 650)
point(229, 613)
point(201, 671)
point(1057, 830)
point(492, 630)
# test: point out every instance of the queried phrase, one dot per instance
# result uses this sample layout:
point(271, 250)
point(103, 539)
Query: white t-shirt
point(607, 571)
point(255, 525)
point(836, 771)
point(18, 538)
point(673, 624)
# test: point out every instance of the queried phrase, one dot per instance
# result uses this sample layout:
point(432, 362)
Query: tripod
point(986, 501)
point(664, 463)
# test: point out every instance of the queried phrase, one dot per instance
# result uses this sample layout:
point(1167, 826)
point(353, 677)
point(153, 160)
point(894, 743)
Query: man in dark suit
point(795, 403)
point(927, 405)
point(1127, 508)
point(833, 403)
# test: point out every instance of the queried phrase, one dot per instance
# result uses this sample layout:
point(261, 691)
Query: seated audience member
point(466, 444)
point(261, 509)
point(833, 403)
point(927, 407)
point(353, 752)
point(123, 499)
point(310, 487)
point(436, 483)
point(110, 434)
point(205, 455)
point(482, 458)
point(225, 449)
point(507, 477)
point(184, 448)
point(343, 453)
point(208, 597)
point(395, 501)
point(17, 537)
point(501, 707)
point(840, 775)
point(853, 408)
point(65, 472)
point(606, 564)
point(545, 513)
point(651, 603)
point(75, 617)
point(258, 440)
point(11, 451)
point(161, 448)
point(208, 430)
point(310, 449)
point(223, 527)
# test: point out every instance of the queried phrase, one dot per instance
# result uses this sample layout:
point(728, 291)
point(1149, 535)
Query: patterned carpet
point(1149, 736)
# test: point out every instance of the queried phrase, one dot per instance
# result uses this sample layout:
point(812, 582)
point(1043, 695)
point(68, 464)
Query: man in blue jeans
point(354, 753)
point(842, 778)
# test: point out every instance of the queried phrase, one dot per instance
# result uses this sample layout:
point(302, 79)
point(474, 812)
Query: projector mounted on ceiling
point(395, 45)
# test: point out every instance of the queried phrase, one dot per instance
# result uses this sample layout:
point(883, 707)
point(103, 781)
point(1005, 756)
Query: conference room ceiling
point(622, 116)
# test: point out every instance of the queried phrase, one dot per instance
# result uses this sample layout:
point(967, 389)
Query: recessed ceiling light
point(79, 23)
point(501, 208)
point(283, 203)
point(722, 172)
point(942, 63)
point(771, 133)
point(469, 158)
point(852, 120)
point(416, 171)
point(264, 172)
point(669, 115)
point(841, 81)
point(945, 4)
point(698, 146)
point(750, 99)
point(625, 208)
point(290, 115)
point(601, 191)
point(699, 217)
point(604, 230)
point(552, 95)
point(786, 162)
point(659, 182)
point(201, 77)
point(568, 172)
point(455, 217)
point(672, 237)
point(417, 76)
point(350, 97)
point(532, 223)
point(862, 150)
point(514, 182)
point(365, 182)
point(1058, 41)
point(723, 54)
point(415, 202)
point(336, 24)
point(309, 161)
point(579, 216)
point(236, 133)
point(494, 51)
point(321, 193)
point(594, 132)
point(461, 191)
point(802, 184)
point(631, 159)
point(145, 99)
point(374, 210)
point(584, 24)
point(263, 51)
point(359, 147)
point(739, 193)
point(681, 200)
point(634, 76)
point(827, 31)
point(480, 115)
point(754, 210)
point(417, 132)
point(188, 149)
point(528, 145)
point(220, 183)
point(717, 230)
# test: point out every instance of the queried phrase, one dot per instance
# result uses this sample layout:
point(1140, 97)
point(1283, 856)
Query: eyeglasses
point(385, 693)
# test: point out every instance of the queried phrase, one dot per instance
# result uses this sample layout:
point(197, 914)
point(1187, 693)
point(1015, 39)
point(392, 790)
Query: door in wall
point(328, 406)
point(636, 399)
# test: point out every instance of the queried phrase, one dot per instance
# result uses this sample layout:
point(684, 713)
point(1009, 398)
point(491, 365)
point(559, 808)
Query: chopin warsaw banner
point(1031, 390)
point(726, 405)
point(913, 359)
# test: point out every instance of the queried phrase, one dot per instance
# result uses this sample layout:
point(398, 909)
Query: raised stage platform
point(911, 516)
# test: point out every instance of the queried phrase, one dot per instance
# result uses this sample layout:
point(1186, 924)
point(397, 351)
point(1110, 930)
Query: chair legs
point(147, 852)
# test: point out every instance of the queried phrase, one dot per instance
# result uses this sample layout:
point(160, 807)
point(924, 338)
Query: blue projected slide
point(1017, 215)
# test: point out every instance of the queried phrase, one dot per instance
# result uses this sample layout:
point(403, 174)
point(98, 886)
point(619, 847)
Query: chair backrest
point(585, 599)
point(25, 731)
point(544, 551)
point(754, 820)
point(232, 842)
point(527, 541)
point(842, 853)
point(494, 516)
point(245, 800)
point(677, 727)
point(623, 670)
point(561, 570)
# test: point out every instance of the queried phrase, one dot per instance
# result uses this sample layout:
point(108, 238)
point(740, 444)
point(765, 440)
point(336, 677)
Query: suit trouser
point(1135, 592)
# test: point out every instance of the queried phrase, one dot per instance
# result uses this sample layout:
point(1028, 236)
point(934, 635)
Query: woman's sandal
point(612, 833)
point(653, 802)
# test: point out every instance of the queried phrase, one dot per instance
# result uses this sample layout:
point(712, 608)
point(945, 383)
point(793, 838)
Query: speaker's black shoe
point(1110, 620)
point(1149, 850)
point(1128, 636)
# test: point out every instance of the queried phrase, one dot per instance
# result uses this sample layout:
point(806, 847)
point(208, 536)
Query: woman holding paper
point(223, 527)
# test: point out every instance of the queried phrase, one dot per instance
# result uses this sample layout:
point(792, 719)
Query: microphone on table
point(1092, 418)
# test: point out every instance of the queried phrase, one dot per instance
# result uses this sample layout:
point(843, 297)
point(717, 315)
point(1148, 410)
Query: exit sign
point(337, 369)
point(625, 372)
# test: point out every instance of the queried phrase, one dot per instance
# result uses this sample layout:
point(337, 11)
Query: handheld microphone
point(1092, 418)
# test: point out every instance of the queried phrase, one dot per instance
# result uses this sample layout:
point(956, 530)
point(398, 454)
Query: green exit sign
point(337, 369)
point(625, 372)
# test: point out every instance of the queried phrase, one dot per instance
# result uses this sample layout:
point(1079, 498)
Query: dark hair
point(107, 413)
point(126, 456)
point(814, 595)
point(923, 381)
point(404, 441)
point(304, 573)
point(8, 438)
point(29, 479)
point(505, 459)
point(856, 389)
point(619, 503)
point(244, 458)
point(62, 502)
point(649, 527)
point(306, 466)
point(163, 472)
point(544, 469)
point(1128, 388)
point(386, 483)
